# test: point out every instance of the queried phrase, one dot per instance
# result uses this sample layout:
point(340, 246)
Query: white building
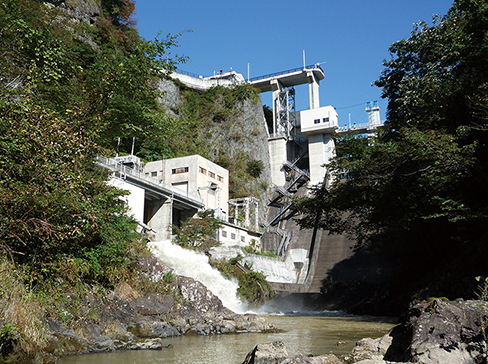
point(318, 125)
point(195, 175)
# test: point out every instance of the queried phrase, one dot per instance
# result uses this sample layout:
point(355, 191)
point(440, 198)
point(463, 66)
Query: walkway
point(289, 78)
point(154, 189)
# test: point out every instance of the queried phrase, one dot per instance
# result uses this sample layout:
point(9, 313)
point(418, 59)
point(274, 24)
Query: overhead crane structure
point(282, 85)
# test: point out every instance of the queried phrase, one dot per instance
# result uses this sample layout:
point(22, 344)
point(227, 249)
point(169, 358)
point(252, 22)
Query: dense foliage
point(417, 191)
point(66, 93)
point(198, 233)
point(71, 89)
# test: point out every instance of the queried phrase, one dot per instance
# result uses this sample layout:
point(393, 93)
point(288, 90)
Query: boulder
point(269, 353)
point(321, 359)
point(276, 353)
point(198, 296)
point(445, 332)
point(153, 304)
point(431, 333)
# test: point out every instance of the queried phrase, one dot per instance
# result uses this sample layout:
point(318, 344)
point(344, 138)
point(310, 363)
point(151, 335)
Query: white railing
point(124, 170)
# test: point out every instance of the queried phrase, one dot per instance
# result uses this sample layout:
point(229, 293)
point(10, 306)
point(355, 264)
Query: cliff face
point(231, 128)
point(79, 11)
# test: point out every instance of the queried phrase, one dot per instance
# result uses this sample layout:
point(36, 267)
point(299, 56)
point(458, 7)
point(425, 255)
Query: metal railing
point(189, 74)
point(363, 126)
point(139, 174)
point(284, 72)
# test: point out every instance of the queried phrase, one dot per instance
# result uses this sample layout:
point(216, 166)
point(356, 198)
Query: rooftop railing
point(284, 72)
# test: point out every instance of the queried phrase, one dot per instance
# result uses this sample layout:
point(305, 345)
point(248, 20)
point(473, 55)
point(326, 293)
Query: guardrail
point(367, 126)
point(110, 163)
point(189, 74)
point(284, 72)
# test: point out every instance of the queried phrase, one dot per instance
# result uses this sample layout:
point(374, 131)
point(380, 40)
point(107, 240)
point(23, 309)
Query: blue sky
point(351, 36)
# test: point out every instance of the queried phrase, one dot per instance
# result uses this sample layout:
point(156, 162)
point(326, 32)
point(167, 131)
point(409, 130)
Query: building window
point(243, 239)
point(211, 174)
point(316, 121)
point(224, 233)
point(179, 170)
point(326, 120)
point(202, 170)
point(154, 174)
point(232, 236)
point(220, 179)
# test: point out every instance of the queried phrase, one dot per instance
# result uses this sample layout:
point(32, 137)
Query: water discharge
point(195, 265)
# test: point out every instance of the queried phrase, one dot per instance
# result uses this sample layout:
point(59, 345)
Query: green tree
point(53, 201)
point(199, 232)
point(65, 92)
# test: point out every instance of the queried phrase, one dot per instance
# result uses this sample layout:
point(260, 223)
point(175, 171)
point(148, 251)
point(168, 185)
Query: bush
point(253, 286)
point(8, 339)
point(255, 168)
point(198, 233)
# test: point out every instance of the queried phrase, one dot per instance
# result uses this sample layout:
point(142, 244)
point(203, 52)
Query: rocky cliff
point(231, 129)
point(127, 318)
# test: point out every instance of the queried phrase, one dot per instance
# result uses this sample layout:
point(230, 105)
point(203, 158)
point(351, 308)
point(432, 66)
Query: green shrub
point(9, 335)
point(168, 277)
point(255, 168)
point(199, 232)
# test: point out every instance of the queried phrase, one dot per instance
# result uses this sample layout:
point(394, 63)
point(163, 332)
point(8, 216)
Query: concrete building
point(318, 125)
point(155, 204)
point(195, 175)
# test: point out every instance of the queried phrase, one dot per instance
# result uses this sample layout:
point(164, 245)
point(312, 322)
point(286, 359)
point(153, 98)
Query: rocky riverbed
point(123, 319)
point(434, 332)
point(430, 332)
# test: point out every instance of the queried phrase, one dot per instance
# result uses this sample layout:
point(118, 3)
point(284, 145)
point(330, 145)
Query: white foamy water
point(195, 265)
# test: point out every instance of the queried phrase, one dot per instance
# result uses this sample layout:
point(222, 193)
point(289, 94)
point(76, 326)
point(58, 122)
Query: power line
point(349, 107)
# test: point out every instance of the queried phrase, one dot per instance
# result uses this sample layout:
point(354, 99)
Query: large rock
point(276, 353)
point(435, 332)
point(270, 353)
point(448, 332)
point(198, 296)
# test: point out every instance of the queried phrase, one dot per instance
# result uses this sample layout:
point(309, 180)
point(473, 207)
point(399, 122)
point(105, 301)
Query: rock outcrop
point(79, 11)
point(231, 133)
point(276, 353)
point(122, 319)
point(435, 332)
point(431, 333)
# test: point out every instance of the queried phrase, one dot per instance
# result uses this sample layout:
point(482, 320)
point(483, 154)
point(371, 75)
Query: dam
point(300, 143)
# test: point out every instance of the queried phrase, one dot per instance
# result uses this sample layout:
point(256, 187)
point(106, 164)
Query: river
point(303, 333)
point(317, 334)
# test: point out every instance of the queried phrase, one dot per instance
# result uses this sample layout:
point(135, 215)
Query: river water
point(313, 334)
point(303, 333)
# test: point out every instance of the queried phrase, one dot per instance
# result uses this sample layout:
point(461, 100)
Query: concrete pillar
point(313, 91)
point(160, 218)
point(275, 86)
point(135, 200)
point(277, 154)
point(321, 149)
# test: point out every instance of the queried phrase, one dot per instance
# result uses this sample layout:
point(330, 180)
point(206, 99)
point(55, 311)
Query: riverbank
point(321, 333)
point(431, 332)
point(94, 320)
